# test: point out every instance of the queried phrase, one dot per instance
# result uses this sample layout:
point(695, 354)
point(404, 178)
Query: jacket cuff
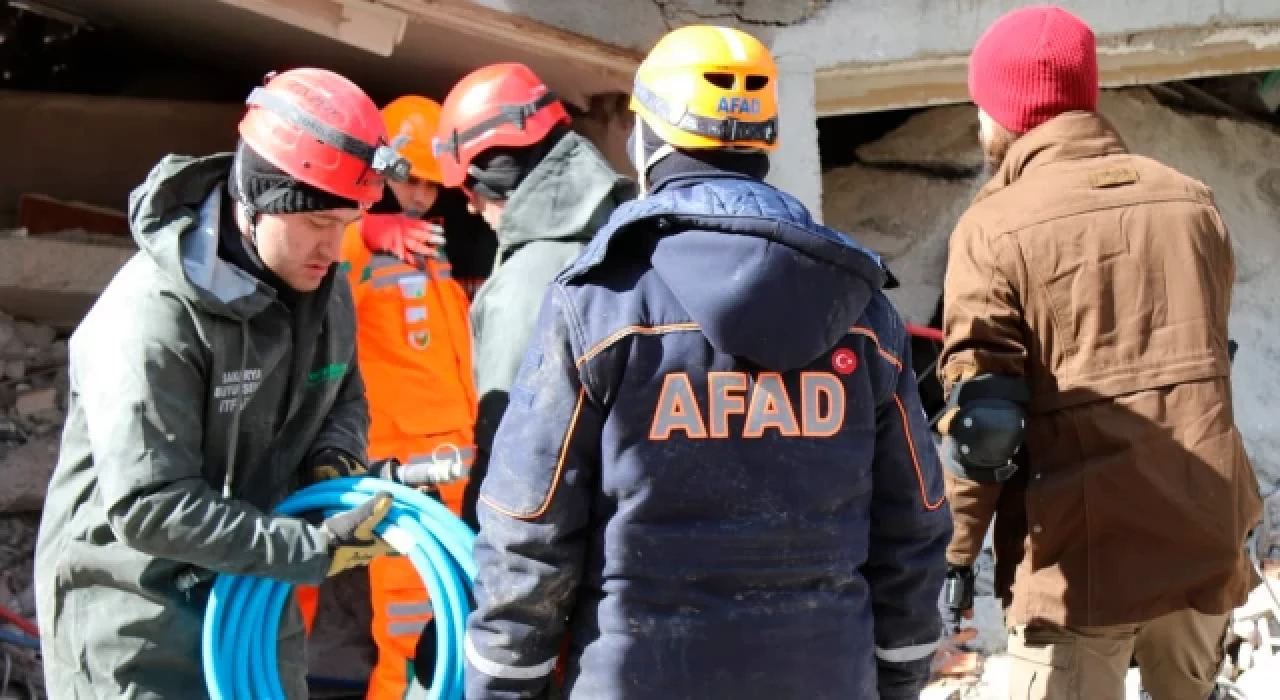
point(487, 679)
point(902, 674)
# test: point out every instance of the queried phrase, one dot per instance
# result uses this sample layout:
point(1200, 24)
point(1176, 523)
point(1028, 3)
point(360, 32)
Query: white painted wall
point(796, 166)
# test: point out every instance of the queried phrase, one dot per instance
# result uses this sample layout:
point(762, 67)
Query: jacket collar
point(567, 196)
point(1069, 136)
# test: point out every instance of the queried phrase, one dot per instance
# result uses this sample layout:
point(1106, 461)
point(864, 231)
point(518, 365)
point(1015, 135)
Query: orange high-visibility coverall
point(413, 343)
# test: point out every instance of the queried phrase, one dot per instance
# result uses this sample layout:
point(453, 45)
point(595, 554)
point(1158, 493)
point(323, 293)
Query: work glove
point(410, 240)
point(331, 463)
point(352, 542)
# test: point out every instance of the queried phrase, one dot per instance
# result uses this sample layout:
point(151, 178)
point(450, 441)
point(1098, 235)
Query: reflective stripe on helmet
point(381, 158)
point(507, 114)
point(728, 130)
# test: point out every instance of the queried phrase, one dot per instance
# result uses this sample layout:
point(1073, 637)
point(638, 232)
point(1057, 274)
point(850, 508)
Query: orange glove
point(410, 240)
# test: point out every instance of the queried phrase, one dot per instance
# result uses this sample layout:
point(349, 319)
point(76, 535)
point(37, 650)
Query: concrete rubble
point(54, 278)
point(33, 396)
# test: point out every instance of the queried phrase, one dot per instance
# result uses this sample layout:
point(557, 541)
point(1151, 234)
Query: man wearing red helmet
point(504, 139)
point(215, 375)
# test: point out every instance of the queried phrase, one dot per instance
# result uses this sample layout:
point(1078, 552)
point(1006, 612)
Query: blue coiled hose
point(242, 621)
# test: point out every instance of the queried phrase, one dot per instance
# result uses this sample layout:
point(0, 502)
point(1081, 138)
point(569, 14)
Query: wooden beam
point(530, 35)
point(1145, 59)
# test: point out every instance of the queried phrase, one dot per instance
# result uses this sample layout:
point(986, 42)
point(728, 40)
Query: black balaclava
point(252, 177)
point(497, 172)
point(664, 161)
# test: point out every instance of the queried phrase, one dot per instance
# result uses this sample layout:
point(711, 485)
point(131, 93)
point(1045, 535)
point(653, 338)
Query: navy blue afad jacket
point(715, 475)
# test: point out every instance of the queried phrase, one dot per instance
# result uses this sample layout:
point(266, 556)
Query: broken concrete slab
point(40, 214)
point(55, 282)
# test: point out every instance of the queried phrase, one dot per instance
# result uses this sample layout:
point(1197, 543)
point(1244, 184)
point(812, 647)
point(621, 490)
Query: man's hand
point(410, 240)
point(330, 463)
point(352, 542)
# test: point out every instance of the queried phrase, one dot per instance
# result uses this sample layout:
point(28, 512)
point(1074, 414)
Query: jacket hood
point(175, 217)
point(747, 262)
point(568, 196)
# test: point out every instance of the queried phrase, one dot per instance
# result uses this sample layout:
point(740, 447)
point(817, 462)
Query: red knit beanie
point(1033, 64)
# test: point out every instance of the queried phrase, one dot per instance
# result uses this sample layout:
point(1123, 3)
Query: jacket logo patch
point(1113, 177)
point(236, 388)
point(413, 286)
point(415, 314)
point(329, 373)
point(763, 402)
point(844, 361)
point(419, 340)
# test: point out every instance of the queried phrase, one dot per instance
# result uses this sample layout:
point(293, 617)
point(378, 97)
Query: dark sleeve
point(910, 527)
point(139, 390)
point(534, 513)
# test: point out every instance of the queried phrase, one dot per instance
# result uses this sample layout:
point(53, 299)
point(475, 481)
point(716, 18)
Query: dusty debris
point(36, 404)
point(25, 473)
point(33, 360)
point(17, 549)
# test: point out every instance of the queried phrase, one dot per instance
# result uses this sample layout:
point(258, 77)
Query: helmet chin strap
point(639, 160)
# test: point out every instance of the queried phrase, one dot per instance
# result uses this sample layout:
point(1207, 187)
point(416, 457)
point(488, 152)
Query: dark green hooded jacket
point(547, 222)
point(196, 397)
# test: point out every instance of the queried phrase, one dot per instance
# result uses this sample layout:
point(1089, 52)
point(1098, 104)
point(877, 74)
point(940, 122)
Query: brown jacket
point(1104, 279)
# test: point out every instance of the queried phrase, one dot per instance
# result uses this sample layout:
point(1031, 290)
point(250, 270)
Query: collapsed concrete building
point(876, 139)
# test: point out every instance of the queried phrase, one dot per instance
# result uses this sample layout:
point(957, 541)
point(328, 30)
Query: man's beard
point(993, 154)
point(995, 142)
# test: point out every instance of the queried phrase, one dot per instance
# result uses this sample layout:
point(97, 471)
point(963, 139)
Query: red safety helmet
point(502, 105)
point(322, 129)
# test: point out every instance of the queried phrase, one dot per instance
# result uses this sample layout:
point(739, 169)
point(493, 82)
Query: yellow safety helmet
point(416, 119)
point(709, 87)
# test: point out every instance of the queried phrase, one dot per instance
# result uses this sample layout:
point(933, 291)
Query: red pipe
point(19, 621)
point(925, 332)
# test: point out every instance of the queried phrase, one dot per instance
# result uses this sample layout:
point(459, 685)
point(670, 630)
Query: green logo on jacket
point(328, 373)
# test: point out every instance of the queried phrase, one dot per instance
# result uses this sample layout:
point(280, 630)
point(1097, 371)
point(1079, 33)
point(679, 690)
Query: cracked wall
point(750, 13)
point(905, 192)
